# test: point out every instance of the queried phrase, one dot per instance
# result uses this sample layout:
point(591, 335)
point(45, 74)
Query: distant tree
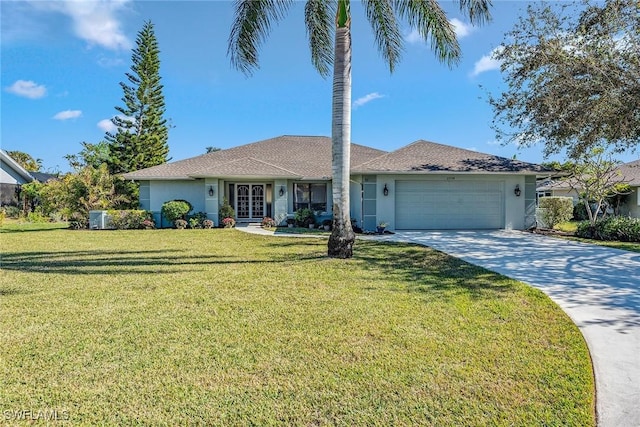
point(213, 149)
point(91, 155)
point(573, 77)
point(596, 178)
point(328, 26)
point(555, 165)
point(26, 161)
point(141, 138)
point(75, 194)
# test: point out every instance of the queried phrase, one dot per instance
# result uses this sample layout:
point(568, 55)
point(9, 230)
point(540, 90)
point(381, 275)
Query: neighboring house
point(12, 176)
point(631, 174)
point(423, 185)
point(559, 188)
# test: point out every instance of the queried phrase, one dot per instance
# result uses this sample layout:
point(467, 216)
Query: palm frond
point(428, 18)
point(319, 16)
point(476, 10)
point(253, 21)
point(386, 31)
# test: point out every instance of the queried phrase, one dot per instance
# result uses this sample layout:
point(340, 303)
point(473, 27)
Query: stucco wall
point(163, 191)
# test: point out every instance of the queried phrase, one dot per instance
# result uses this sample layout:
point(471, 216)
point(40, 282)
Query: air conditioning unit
point(98, 220)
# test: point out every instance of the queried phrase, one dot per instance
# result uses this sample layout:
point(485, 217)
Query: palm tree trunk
point(342, 238)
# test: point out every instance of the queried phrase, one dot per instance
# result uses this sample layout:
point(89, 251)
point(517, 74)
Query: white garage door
point(449, 205)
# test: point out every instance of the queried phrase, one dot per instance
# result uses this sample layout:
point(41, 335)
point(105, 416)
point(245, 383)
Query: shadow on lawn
point(419, 269)
point(429, 271)
point(132, 262)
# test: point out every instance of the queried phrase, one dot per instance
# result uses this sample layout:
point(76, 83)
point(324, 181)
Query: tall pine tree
point(142, 131)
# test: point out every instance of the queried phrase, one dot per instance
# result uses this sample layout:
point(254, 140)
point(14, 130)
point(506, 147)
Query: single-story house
point(559, 188)
point(629, 173)
point(423, 185)
point(12, 176)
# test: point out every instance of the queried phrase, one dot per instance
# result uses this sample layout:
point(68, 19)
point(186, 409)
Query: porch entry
point(252, 202)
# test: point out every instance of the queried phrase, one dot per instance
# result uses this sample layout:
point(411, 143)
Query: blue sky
point(62, 63)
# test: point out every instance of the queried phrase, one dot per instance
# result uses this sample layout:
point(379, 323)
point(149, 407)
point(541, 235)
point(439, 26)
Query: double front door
point(250, 201)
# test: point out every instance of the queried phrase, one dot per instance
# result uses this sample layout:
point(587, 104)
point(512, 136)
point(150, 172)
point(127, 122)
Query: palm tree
point(331, 19)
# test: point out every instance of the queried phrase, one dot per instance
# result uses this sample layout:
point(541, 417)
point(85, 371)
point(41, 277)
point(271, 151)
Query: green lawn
point(218, 327)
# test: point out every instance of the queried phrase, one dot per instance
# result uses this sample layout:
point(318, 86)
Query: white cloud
point(366, 99)
point(107, 125)
point(413, 37)
point(27, 89)
point(461, 29)
point(110, 62)
point(94, 21)
point(68, 114)
point(487, 63)
point(493, 142)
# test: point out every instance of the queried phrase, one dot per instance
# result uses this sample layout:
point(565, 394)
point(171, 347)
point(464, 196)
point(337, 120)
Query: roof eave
point(443, 172)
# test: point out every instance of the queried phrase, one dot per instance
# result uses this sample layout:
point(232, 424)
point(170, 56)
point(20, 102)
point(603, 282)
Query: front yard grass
point(219, 327)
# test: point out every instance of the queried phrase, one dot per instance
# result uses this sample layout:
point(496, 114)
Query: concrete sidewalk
point(598, 287)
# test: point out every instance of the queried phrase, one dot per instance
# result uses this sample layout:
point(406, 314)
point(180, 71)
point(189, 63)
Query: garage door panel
point(449, 204)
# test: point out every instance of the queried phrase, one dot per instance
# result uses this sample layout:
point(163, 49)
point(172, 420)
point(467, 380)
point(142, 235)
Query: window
point(312, 196)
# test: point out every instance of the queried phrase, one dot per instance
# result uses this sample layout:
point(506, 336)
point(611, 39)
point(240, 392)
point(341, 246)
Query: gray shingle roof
point(425, 156)
point(631, 172)
point(309, 157)
point(281, 157)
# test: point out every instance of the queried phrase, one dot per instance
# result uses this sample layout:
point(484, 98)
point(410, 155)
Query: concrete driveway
point(598, 287)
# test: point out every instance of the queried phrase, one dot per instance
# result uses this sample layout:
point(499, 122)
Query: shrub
point(580, 212)
point(618, 228)
point(176, 209)
point(148, 224)
point(226, 211)
point(197, 219)
point(13, 212)
point(228, 222)
point(180, 224)
point(268, 222)
point(556, 210)
point(128, 219)
point(37, 217)
point(305, 217)
point(207, 223)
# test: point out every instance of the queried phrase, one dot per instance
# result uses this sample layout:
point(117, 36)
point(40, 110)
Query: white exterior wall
point(567, 193)
point(514, 207)
point(280, 203)
point(212, 203)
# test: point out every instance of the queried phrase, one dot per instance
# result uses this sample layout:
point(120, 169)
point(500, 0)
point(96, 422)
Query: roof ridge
point(272, 165)
point(240, 159)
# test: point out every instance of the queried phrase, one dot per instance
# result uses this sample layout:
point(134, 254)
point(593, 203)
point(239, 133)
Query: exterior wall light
point(281, 192)
point(517, 191)
point(211, 191)
point(385, 190)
